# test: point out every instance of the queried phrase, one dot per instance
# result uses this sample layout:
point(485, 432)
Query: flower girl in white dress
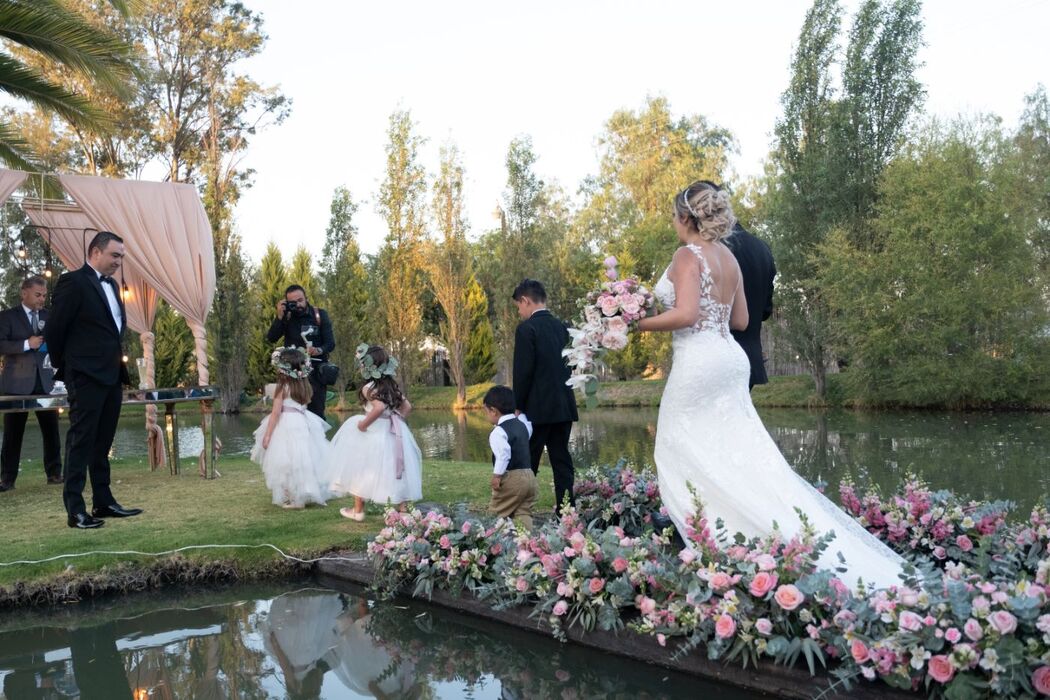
point(374, 456)
point(290, 443)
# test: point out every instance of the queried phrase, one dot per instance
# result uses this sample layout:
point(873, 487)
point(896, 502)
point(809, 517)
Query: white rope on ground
point(134, 552)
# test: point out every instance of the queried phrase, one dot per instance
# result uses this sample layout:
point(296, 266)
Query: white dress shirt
point(499, 445)
point(111, 296)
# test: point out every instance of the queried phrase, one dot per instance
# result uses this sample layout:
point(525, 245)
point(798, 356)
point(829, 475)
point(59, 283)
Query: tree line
point(912, 251)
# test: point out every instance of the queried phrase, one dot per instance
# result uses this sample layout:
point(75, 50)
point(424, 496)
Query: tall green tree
point(1033, 179)
point(230, 329)
point(271, 280)
point(402, 203)
point(344, 283)
point(479, 359)
point(50, 29)
point(449, 266)
point(301, 272)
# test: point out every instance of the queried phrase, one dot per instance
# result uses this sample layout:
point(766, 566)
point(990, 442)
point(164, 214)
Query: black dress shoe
point(114, 511)
point(6, 487)
point(55, 480)
point(83, 521)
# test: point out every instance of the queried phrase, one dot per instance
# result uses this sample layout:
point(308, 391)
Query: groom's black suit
point(758, 270)
point(540, 393)
point(85, 346)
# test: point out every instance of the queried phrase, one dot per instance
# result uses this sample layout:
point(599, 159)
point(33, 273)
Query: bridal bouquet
point(607, 314)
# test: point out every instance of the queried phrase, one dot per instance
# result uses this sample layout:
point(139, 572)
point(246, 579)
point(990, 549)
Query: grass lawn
point(187, 510)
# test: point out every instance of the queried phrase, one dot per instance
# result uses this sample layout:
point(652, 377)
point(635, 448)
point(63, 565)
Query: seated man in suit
point(24, 373)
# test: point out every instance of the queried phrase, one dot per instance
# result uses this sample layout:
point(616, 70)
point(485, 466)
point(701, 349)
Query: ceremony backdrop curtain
point(9, 182)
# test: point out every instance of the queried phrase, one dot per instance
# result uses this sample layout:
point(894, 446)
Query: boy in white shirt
point(513, 481)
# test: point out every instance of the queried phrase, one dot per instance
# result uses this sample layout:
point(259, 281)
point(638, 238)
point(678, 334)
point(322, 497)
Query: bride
point(708, 434)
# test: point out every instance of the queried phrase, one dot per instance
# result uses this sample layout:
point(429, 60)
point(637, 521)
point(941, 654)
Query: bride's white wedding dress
point(709, 435)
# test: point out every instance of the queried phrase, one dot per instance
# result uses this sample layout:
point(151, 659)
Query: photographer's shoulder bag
point(327, 372)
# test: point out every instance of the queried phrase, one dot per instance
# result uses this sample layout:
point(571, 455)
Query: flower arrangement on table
point(606, 317)
point(973, 624)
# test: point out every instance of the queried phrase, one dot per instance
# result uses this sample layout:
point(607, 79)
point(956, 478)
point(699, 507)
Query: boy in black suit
point(540, 391)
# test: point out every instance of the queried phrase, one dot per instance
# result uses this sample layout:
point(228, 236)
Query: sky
point(482, 73)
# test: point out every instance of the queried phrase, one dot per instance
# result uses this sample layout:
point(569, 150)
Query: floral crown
point(286, 369)
point(369, 369)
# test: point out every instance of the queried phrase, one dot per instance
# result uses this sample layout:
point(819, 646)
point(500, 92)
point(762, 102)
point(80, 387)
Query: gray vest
point(518, 437)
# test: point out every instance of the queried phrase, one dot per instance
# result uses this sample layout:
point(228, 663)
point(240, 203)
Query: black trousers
point(317, 400)
point(14, 430)
point(555, 437)
point(93, 412)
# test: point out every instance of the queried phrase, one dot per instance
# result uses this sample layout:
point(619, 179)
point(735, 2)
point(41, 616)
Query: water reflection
point(312, 643)
point(987, 455)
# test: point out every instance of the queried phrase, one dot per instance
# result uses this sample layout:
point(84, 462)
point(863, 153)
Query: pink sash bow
point(399, 446)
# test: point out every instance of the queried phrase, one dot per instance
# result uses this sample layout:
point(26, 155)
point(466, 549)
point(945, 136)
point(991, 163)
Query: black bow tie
point(109, 280)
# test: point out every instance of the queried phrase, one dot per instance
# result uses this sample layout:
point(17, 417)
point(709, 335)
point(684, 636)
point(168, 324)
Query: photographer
point(304, 326)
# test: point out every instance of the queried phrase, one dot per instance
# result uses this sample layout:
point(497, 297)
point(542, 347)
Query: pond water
point(311, 642)
point(984, 455)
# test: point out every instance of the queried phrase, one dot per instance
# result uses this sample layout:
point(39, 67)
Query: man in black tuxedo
point(758, 270)
point(22, 345)
point(540, 392)
point(84, 338)
point(296, 322)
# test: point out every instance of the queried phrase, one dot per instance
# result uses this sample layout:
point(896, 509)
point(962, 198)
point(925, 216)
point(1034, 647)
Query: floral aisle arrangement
point(605, 318)
point(972, 623)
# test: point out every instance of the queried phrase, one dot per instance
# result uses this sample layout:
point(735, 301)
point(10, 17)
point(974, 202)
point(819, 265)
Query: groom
point(540, 392)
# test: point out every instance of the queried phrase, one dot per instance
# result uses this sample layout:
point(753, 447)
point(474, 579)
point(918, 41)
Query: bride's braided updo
point(708, 208)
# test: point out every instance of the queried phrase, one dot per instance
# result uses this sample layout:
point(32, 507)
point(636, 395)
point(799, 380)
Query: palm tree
point(52, 30)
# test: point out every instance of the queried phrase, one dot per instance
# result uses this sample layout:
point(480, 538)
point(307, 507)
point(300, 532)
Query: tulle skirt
point(294, 465)
point(364, 464)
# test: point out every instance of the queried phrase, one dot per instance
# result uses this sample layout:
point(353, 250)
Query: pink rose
point(661, 639)
point(1003, 622)
point(611, 261)
point(1041, 680)
point(953, 635)
point(941, 668)
point(964, 543)
point(788, 597)
point(564, 589)
point(445, 542)
point(687, 556)
point(608, 305)
point(939, 553)
point(522, 585)
point(725, 626)
point(466, 528)
point(766, 562)
point(616, 324)
point(646, 605)
point(560, 607)
point(614, 341)
point(720, 581)
point(764, 626)
point(762, 583)
point(858, 651)
point(619, 565)
point(973, 630)
point(910, 621)
point(595, 585)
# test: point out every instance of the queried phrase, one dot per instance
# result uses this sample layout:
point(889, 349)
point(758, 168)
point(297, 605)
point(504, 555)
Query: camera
point(290, 307)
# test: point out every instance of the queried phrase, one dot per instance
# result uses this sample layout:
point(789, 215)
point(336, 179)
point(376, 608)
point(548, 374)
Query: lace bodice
point(714, 315)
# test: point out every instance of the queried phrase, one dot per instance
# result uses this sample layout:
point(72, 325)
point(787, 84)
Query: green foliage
point(50, 30)
point(173, 348)
point(301, 272)
point(229, 327)
point(479, 360)
point(943, 307)
point(270, 283)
